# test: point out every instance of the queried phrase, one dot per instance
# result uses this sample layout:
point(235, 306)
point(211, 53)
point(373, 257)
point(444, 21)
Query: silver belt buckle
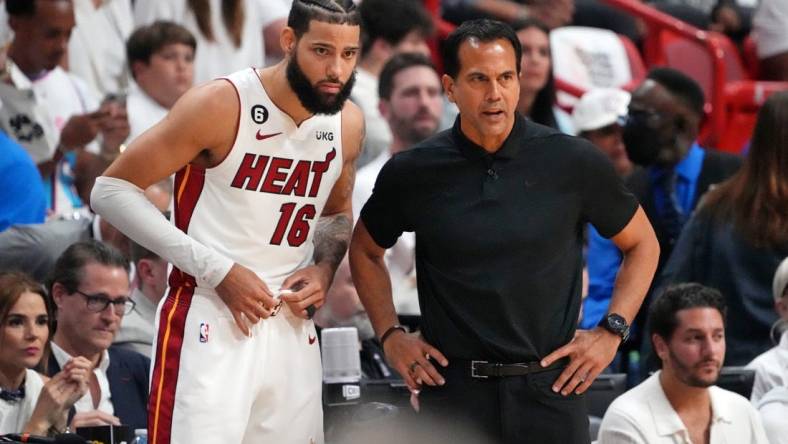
point(473, 370)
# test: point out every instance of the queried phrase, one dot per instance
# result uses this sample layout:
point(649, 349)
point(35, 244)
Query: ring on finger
point(413, 366)
point(276, 308)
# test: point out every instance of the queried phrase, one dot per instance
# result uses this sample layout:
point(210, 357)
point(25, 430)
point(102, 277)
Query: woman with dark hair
point(739, 235)
point(537, 86)
point(29, 401)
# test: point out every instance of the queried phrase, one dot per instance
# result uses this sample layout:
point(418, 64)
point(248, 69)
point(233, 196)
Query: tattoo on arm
point(332, 238)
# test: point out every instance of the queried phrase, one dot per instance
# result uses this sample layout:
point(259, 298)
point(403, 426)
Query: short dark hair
point(397, 63)
point(485, 30)
point(147, 40)
point(681, 86)
point(392, 21)
point(138, 252)
point(26, 8)
point(339, 12)
point(662, 313)
point(68, 270)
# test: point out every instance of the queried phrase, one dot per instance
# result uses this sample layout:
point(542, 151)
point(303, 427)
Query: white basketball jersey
point(260, 205)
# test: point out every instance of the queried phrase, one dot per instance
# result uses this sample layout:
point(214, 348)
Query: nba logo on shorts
point(204, 328)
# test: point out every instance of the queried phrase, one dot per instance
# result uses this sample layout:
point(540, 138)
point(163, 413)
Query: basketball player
point(264, 161)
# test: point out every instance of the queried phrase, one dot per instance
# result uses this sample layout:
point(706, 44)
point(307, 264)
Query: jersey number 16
point(299, 228)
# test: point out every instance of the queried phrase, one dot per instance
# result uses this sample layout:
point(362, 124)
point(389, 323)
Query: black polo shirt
point(498, 236)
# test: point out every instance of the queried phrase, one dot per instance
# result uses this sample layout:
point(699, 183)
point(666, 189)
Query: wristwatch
point(616, 324)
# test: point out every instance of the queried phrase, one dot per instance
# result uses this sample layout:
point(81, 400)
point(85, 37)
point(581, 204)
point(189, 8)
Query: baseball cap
point(599, 108)
point(780, 279)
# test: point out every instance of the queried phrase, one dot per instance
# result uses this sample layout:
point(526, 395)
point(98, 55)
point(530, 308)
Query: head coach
point(498, 204)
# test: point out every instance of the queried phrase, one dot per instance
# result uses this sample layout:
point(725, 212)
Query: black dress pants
point(512, 409)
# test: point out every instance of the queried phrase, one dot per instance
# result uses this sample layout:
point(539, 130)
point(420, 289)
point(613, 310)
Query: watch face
point(616, 322)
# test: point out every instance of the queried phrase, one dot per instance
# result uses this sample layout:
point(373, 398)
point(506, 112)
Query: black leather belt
point(485, 369)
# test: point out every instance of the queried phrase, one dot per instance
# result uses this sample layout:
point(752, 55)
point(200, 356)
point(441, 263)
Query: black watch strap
point(391, 330)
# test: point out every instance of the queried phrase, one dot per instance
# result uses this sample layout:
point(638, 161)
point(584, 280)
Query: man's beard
point(686, 374)
point(410, 133)
point(310, 97)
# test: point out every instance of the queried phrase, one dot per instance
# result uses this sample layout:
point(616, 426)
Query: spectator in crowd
point(660, 134)
point(774, 409)
point(729, 18)
point(96, 48)
point(411, 102)
point(90, 287)
point(50, 112)
point(274, 21)
point(680, 403)
point(739, 235)
point(770, 27)
point(229, 33)
point(553, 13)
point(22, 198)
point(29, 401)
point(35, 248)
point(161, 59)
point(597, 117)
point(388, 27)
point(138, 327)
point(537, 86)
point(771, 367)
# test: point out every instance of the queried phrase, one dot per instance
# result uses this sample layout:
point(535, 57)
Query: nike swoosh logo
point(312, 339)
point(265, 136)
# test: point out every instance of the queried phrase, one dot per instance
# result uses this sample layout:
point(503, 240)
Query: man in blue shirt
point(660, 135)
point(22, 198)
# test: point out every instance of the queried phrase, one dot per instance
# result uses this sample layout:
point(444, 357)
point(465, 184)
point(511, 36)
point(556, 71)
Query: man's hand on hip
point(410, 355)
point(247, 297)
point(309, 286)
point(589, 353)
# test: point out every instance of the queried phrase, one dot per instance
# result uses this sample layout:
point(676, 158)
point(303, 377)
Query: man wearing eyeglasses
point(90, 287)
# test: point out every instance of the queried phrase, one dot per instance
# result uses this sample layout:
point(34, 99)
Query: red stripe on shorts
point(189, 182)
point(172, 323)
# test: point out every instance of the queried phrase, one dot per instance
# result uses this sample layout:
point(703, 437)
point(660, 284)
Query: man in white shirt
point(161, 58)
point(770, 28)
point(90, 287)
point(388, 27)
point(50, 112)
point(773, 408)
point(411, 102)
point(771, 367)
point(680, 403)
point(138, 327)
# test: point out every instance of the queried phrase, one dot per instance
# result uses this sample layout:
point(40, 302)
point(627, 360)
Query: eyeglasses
point(99, 302)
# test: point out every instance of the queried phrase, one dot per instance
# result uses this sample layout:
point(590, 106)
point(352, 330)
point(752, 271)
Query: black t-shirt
point(498, 236)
